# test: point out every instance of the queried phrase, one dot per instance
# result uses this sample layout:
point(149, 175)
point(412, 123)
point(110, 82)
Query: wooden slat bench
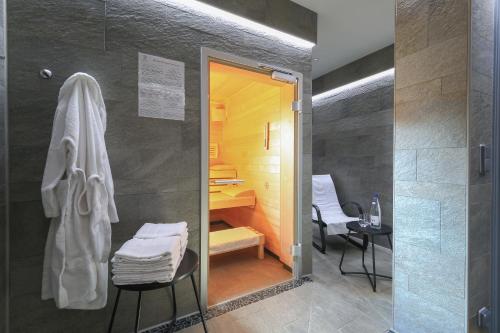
point(234, 239)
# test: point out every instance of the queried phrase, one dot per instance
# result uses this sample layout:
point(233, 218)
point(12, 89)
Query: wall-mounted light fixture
point(359, 84)
point(217, 13)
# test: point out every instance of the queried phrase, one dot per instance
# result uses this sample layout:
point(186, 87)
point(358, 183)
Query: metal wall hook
point(46, 74)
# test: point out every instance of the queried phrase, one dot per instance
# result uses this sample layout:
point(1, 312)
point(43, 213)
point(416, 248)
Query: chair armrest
point(318, 213)
point(355, 204)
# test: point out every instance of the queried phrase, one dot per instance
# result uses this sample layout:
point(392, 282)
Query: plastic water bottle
point(375, 213)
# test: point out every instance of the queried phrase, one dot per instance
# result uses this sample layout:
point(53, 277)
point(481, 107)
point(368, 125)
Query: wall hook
point(46, 74)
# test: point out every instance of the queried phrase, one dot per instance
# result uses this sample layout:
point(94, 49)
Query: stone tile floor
point(332, 303)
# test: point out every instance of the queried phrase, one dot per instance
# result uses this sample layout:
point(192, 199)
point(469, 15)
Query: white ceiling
point(349, 30)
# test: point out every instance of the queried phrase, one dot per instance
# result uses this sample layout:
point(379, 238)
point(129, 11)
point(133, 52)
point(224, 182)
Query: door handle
point(483, 159)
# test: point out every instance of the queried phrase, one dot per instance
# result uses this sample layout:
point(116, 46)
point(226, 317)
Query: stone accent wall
point(430, 170)
point(373, 63)
point(155, 163)
point(353, 141)
point(480, 132)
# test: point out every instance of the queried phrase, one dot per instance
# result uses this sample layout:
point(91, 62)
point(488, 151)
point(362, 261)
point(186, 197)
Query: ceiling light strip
point(354, 85)
point(217, 13)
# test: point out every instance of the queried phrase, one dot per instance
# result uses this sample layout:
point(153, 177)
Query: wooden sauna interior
point(252, 141)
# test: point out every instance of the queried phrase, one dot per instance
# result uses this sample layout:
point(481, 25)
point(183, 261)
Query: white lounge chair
point(328, 213)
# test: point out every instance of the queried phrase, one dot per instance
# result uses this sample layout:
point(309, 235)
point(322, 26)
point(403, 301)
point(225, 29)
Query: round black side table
point(354, 227)
point(187, 267)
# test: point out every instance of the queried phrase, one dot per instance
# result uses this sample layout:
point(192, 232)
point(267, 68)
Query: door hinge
point(297, 106)
point(484, 317)
point(296, 250)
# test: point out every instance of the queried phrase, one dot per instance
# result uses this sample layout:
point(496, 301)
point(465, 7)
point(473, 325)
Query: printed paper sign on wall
point(161, 88)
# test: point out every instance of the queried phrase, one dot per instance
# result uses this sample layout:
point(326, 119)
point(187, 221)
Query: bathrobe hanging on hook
point(77, 193)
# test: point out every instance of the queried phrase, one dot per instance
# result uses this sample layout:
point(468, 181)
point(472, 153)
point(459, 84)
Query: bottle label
point(374, 220)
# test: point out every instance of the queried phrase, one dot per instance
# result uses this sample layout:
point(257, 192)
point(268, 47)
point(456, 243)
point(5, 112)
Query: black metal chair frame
point(322, 225)
point(373, 282)
point(191, 260)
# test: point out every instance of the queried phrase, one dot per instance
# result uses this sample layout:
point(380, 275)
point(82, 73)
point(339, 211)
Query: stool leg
point(343, 252)
point(117, 299)
point(171, 327)
point(374, 270)
point(366, 242)
point(198, 303)
point(363, 256)
point(138, 313)
point(323, 238)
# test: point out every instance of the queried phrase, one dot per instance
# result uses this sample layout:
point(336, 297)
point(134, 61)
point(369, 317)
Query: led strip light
point(216, 13)
point(353, 85)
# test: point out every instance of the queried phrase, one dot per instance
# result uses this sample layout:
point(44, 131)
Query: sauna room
point(251, 199)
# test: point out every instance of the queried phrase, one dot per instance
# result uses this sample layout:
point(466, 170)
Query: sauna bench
point(232, 198)
point(234, 239)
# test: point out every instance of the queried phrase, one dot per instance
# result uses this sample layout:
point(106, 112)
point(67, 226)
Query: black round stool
point(187, 267)
point(370, 232)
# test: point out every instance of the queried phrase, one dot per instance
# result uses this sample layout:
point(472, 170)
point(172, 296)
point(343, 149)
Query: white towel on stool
point(153, 255)
point(157, 230)
point(139, 249)
point(143, 278)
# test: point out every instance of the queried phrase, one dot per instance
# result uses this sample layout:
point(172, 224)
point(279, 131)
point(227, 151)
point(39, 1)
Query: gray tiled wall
point(3, 181)
point(430, 166)
point(353, 141)
point(373, 63)
point(155, 163)
point(283, 15)
point(480, 132)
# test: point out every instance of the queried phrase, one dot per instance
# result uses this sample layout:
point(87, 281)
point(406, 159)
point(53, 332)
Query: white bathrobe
point(77, 193)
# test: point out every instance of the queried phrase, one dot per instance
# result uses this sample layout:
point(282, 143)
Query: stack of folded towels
point(153, 255)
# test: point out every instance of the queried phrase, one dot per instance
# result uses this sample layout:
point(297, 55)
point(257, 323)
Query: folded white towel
point(144, 249)
point(160, 264)
point(143, 278)
point(157, 230)
point(143, 272)
point(134, 270)
point(142, 262)
point(153, 255)
point(184, 241)
point(120, 262)
point(129, 275)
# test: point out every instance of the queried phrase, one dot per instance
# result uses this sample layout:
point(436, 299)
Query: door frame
point(207, 55)
point(495, 152)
